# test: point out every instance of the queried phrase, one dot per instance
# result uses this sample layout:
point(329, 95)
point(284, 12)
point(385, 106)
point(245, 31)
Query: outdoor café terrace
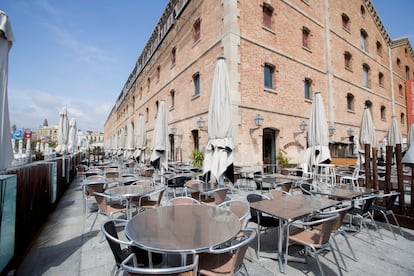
point(61, 237)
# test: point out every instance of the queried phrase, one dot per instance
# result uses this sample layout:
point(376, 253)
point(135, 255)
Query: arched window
point(305, 37)
point(348, 60)
point(197, 30)
point(308, 88)
point(345, 22)
point(172, 95)
point(381, 79)
point(267, 15)
point(350, 101)
point(196, 81)
point(383, 114)
point(365, 75)
point(364, 40)
point(269, 71)
point(379, 48)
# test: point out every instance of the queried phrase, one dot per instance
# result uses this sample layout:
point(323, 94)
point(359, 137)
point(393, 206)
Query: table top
point(202, 187)
point(129, 191)
point(281, 177)
point(182, 228)
point(93, 181)
point(293, 207)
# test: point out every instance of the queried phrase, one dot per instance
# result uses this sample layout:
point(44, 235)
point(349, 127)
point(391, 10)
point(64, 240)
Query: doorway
point(269, 150)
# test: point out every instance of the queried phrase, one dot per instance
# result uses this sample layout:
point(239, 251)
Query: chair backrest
point(327, 226)
point(355, 174)
point(286, 187)
point(177, 181)
point(254, 198)
point(220, 195)
point(237, 250)
point(108, 228)
point(157, 194)
point(368, 202)
point(238, 207)
point(94, 188)
point(101, 201)
point(183, 200)
point(187, 269)
point(341, 211)
point(112, 175)
point(391, 200)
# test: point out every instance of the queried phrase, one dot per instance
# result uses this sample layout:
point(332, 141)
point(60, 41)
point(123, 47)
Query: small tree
point(282, 159)
point(197, 158)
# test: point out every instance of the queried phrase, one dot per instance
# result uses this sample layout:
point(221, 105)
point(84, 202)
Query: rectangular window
point(308, 87)
point(196, 80)
point(268, 76)
point(305, 37)
point(365, 76)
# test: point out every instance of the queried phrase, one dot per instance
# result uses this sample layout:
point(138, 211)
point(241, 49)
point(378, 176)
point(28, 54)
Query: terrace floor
point(64, 247)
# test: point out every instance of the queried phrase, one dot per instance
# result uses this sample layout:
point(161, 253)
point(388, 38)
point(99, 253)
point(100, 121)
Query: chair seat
point(115, 208)
point(306, 237)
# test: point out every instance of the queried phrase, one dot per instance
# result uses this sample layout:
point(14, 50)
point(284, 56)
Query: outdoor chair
point(90, 189)
point(195, 193)
point(130, 265)
point(308, 188)
point(151, 200)
point(352, 179)
point(183, 200)
point(121, 249)
point(177, 182)
point(364, 212)
point(112, 177)
point(314, 242)
point(92, 172)
point(338, 229)
point(106, 209)
point(240, 208)
point(263, 222)
point(216, 196)
point(227, 260)
point(386, 210)
point(81, 170)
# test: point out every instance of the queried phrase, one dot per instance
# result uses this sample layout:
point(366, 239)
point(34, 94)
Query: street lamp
point(258, 121)
point(200, 124)
point(303, 127)
point(331, 131)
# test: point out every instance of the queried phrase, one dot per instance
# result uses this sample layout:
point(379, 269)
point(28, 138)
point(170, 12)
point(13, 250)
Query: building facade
point(278, 54)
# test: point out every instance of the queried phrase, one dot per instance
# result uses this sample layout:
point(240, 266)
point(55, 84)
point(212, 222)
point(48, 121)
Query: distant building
point(278, 54)
point(47, 134)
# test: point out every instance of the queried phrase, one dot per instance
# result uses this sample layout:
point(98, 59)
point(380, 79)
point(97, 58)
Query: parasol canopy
point(160, 139)
point(6, 41)
point(318, 135)
point(218, 157)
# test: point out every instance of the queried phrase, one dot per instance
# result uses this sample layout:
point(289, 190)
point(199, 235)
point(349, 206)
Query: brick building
point(278, 54)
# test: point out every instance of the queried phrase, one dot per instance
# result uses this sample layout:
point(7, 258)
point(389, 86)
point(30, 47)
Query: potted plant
point(197, 158)
point(283, 161)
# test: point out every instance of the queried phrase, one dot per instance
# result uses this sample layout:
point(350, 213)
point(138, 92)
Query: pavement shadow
point(43, 258)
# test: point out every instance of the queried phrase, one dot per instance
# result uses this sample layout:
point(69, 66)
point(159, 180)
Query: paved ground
point(65, 247)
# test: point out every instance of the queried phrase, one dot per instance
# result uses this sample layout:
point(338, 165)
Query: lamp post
point(200, 124)
point(258, 121)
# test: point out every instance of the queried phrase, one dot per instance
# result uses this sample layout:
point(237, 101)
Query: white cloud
point(30, 108)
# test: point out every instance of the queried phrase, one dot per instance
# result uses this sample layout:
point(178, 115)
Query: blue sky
point(79, 53)
point(75, 54)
